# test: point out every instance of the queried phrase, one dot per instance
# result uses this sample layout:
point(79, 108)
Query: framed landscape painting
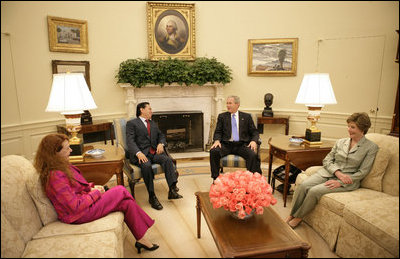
point(171, 31)
point(272, 57)
point(67, 35)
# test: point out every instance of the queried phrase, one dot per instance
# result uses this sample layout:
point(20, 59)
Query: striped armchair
point(132, 171)
point(232, 160)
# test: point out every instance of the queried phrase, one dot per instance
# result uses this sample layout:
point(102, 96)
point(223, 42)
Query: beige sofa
point(29, 224)
point(363, 222)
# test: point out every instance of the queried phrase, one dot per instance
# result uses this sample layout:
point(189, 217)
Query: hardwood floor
point(175, 227)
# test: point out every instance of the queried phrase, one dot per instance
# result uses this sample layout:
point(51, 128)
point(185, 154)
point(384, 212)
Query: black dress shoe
point(172, 194)
point(155, 204)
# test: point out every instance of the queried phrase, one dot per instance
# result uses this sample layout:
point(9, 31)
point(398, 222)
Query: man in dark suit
point(235, 133)
point(146, 146)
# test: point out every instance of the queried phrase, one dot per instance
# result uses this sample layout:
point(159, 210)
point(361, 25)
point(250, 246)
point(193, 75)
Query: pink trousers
point(119, 199)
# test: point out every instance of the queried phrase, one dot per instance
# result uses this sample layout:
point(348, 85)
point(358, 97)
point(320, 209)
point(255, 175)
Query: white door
point(356, 87)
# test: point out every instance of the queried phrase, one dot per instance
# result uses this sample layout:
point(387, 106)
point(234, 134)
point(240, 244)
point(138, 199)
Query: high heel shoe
point(139, 247)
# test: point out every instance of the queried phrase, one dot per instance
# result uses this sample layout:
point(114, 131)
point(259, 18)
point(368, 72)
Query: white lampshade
point(316, 90)
point(70, 94)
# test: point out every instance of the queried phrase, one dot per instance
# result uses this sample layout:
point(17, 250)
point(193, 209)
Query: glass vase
point(235, 214)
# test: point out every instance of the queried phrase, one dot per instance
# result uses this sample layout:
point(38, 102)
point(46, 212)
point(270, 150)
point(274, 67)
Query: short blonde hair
point(361, 119)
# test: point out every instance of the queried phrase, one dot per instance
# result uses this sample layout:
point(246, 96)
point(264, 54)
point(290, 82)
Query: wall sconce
point(315, 91)
point(70, 95)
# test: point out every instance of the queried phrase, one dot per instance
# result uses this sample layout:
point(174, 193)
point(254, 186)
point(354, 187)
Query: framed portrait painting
point(272, 57)
point(67, 35)
point(64, 66)
point(171, 31)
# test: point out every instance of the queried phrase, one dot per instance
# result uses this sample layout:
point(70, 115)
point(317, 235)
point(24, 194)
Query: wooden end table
point(265, 235)
point(272, 120)
point(300, 156)
point(100, 170)
point(97, 126)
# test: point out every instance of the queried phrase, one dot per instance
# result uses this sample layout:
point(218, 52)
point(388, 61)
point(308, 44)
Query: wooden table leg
point(270, 164)
point(198, 211)
point(286, 183)
point(287, 127)
point(112, 136)
point(120, 177)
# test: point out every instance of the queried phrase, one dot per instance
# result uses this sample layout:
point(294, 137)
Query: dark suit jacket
point(137, 138)
point(247, 129)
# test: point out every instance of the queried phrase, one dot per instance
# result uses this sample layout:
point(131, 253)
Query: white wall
point(117, 31)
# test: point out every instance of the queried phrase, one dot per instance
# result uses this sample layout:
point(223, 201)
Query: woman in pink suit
point(76, 200)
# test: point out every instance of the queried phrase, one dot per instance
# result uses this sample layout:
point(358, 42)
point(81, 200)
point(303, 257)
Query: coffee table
point(265, 235)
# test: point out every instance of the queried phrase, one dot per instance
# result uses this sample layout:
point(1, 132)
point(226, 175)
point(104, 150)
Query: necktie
point(235, 134)
point(152, 151)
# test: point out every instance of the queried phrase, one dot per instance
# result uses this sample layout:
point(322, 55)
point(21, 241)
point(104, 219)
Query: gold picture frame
point(166, 19)
point(63, 66)
point(67, 35)
point(272, 57)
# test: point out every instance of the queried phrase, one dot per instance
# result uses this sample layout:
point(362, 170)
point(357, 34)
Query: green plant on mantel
point(139, 72)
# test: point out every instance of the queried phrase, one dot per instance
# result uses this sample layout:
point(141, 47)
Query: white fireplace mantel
point(206, 98)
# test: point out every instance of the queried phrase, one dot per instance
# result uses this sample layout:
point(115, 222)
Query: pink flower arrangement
point(241, 191)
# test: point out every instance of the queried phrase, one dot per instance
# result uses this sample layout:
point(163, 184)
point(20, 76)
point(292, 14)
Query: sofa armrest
point(303, 175)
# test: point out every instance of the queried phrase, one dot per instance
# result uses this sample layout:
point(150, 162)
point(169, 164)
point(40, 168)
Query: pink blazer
point(71, 201)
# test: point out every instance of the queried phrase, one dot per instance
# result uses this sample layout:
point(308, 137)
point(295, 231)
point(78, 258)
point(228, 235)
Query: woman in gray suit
point(349, 161)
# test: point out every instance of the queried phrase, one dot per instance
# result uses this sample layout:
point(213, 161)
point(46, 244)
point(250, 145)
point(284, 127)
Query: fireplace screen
point(183, 130)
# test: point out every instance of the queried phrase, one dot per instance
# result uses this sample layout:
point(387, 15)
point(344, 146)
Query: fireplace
point(207, 99)
point(183, 130)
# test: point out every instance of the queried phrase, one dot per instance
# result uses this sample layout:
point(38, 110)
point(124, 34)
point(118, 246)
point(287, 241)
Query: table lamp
point(70, 95)
point(315, 91)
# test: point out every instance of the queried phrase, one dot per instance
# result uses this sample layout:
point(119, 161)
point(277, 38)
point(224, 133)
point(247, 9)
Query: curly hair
point(361, 119)
point(47, 159)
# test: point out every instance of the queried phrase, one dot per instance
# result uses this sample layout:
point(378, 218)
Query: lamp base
point(312, 143)
point(76, 158)
point(77, 149)
point(77, 152)
point(313, 137)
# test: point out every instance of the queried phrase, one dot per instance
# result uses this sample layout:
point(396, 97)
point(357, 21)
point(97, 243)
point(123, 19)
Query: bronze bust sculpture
point(268, 99)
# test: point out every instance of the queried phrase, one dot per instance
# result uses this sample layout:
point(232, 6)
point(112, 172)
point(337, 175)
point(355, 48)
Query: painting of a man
point(171, 32)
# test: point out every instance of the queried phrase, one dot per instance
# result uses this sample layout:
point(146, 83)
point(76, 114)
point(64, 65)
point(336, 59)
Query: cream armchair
point(29, 224)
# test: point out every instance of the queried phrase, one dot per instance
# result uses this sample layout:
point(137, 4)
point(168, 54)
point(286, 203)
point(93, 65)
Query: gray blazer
point(137, 138)
point(356, 162)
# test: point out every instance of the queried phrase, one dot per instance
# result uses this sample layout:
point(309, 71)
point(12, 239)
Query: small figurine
point(268, 98)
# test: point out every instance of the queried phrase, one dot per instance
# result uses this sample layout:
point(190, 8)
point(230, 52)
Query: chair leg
point(132, 187)
point(273, 183)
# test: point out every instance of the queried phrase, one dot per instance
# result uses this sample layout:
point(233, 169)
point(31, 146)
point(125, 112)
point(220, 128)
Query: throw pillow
point(44, 206)
point(373, 180)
